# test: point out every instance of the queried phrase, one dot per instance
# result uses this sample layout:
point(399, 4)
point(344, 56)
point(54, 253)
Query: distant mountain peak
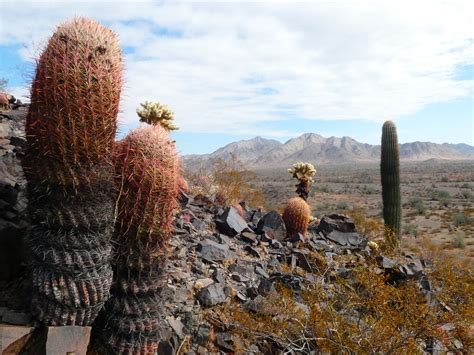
point(260, 152)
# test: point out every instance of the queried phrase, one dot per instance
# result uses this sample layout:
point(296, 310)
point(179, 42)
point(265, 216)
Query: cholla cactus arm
point(157, 114)
point(303, 171)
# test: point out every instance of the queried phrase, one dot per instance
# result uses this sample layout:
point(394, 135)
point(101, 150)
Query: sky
point(277, 69)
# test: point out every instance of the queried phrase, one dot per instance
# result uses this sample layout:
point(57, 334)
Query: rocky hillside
point(237, 284)
point(311, 147)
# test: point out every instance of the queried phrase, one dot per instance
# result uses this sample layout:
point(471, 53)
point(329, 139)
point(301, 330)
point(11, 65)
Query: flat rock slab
point(9, 334)
point(68, 339)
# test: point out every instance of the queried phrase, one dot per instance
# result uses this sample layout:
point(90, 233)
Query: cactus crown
point(75, 95)
point(303, 171)
point(155, 113)
point(147, 169)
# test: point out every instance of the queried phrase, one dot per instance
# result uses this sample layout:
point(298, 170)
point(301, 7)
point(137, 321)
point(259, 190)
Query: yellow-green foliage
point(296, 216)
point(364, 313)
point(155, 113)
point(303, 171)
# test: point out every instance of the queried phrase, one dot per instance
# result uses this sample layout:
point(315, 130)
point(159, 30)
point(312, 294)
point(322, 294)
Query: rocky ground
point(224, 270)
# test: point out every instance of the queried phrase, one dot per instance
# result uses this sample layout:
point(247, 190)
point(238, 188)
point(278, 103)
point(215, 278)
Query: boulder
point(231, 223)
point(272, 225)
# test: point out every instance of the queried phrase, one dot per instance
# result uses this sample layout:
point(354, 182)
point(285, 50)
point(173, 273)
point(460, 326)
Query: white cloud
point(229, 67)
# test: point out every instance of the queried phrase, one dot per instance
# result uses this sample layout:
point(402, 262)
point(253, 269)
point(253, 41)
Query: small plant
point(155, 113)
point(417, 204)
point(342, 205)
point(459, 240)
point(297, 215)
point(410, 229)
point(304, 173)
point(459, 219)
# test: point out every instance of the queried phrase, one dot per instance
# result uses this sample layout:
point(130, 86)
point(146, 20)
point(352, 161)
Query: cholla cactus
point(156, 113)
point(304, 172)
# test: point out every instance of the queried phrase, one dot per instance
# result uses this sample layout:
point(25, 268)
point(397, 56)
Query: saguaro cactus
point(147, 170)
point(70, 132)
point(390, 174)
point(297, 215)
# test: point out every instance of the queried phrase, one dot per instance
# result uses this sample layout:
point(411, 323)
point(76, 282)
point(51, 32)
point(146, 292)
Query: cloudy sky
point(234, 70)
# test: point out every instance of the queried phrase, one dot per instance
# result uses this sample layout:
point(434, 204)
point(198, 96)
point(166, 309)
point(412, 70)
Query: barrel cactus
point(147, 176)
point(70, 130)
point(390, 175)
point(297, 215)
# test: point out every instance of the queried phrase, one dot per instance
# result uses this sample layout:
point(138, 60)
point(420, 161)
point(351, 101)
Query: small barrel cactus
point(297, 215)
point(390, 175)
point(147, 170)
point(70, 131)
point(304, 173)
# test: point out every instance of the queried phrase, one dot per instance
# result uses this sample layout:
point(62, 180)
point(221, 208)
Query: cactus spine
point(70, 132)
point(390, 175)
point(147, 171)
point(297, 215)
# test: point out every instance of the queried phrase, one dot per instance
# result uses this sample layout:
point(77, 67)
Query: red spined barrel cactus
point(70, 130)
point(297, 215)
point(147, 169)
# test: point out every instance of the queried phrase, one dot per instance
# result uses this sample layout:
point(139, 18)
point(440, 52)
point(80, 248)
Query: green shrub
point(342, 205)
point(459, 240)
point(410, 229)
point(459, 219)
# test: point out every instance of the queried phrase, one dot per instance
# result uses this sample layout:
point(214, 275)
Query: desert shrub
point(371, 227)
point(410, 229)
point(368, 190)
point(466, 194)
point(228, 179)
point(442, 196)
point(362, 313)
point(342, 205)
point(459, 240)
point(459, 219)
point(416, 204)
point(444, 179)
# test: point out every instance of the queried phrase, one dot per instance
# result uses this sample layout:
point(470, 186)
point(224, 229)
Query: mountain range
point(311, 147)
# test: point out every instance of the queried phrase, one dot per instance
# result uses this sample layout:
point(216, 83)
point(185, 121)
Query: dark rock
point(225, 342)
point(302, 261)
point(176, 325)
point(252, 292)
point(16, 318)
point(218, 276)
point(272, 224)
point(212, 295)
point(289, 280)
point(243, 270)
point(202, 334)
point(265, 287)
point(336, 222)
point(255, 252)
point(258, 305)
point(348, 239)
point(212, 251)
point(231, 223)
point(261, 272)
point(296, 238)
point(249, 237)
